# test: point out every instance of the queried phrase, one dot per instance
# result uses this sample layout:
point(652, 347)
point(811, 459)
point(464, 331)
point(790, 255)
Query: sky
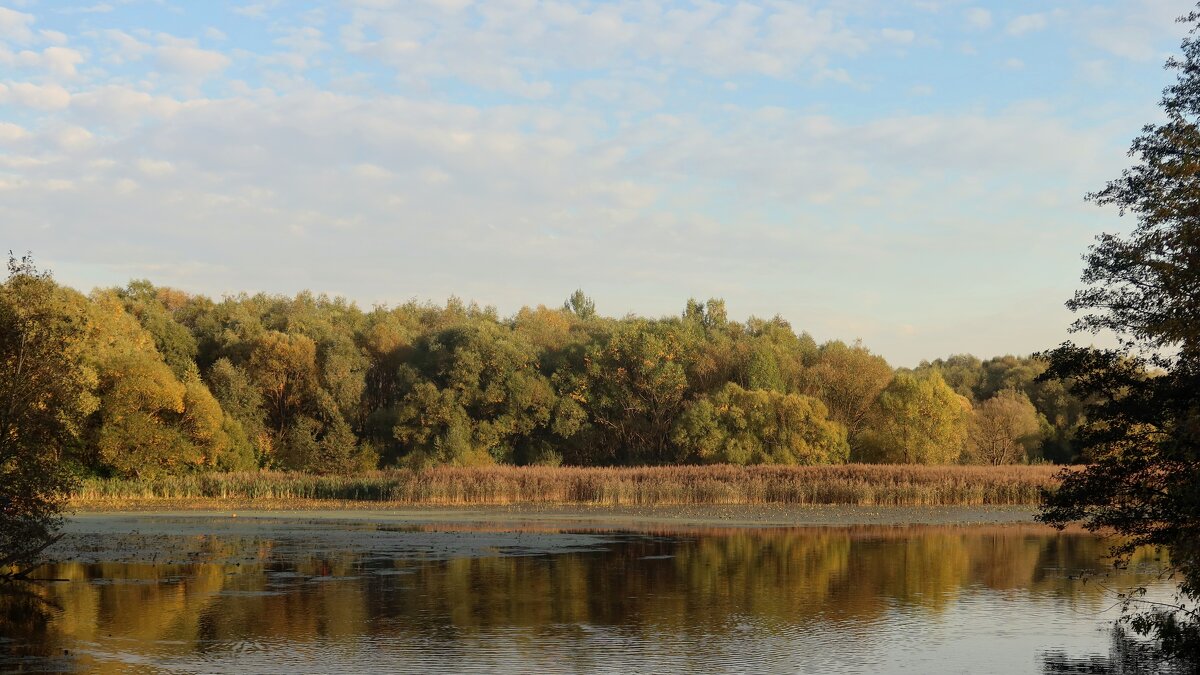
point(911, 173)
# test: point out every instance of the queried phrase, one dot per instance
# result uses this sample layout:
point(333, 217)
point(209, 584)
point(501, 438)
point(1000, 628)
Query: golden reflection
point(699, 580)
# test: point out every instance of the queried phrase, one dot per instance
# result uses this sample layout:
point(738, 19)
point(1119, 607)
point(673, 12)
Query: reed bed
point(851, 484)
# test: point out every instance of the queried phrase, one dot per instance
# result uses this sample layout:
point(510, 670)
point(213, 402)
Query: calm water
point(283, 597)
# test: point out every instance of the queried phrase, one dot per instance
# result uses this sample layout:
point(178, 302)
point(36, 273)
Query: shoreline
point(562, 515)
point(228, 536)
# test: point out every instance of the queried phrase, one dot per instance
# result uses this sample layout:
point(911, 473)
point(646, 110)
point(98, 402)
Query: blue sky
point(907, 172)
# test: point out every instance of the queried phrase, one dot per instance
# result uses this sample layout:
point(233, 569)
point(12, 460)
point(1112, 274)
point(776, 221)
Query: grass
point(852, 484)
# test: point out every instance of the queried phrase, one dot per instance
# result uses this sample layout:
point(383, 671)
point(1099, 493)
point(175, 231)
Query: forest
point(170, 383)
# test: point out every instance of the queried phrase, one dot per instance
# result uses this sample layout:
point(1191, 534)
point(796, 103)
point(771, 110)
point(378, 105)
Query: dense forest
point(172, 383)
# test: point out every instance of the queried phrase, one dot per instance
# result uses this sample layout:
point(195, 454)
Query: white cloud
point(979, 18)
point(1137, 30)
point(98, 8)
point(124, 107)
point(10, 133)
point(74, 138)
point(54, 37)
point(898, 36)
point(61, 61)
point(57, 61)
point(1028, 23)
point(189, 61)
point(125, 48)
point(16, 26)
point(305, 40)
point(256, 10)
point(155, 167)
point(38, 96)
point(1013, 63)
point(510, 47)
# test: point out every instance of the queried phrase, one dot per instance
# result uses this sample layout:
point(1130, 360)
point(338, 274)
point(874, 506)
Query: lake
point(176, 594)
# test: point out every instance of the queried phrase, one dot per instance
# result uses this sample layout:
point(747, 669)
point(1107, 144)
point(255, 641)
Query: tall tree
point(45, 398)
point(580, 305)
point(1143, 429)
point(285, 369)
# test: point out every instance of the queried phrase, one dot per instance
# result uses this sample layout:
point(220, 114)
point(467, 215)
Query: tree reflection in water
point(696, 596)
point(1128, 655)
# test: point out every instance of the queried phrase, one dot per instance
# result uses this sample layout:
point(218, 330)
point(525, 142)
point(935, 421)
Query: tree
point(849, 380)
point(242, 405)
point(961, 371)
point(919, 420)
point(174, 341)
point(1003, 429)
point(285, 369)
point(737, 426)
point(45, 398)
point(1143, 428)
point(632, 387)
point(477, 396)
point(580, 305)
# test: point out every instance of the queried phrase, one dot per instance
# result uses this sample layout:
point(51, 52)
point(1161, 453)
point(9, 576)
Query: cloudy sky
point(907, 172)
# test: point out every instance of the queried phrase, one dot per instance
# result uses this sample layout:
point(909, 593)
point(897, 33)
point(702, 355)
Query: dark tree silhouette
point(1143, 429)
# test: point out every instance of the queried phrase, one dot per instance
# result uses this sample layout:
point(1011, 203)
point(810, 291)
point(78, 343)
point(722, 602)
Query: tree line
point(161, 381)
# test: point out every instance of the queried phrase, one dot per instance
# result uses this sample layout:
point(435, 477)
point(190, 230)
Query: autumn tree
point(1003, 429)
point(45, 399)
point(149, 421)
point(849, 379)
point(285, 369)
point(174, 342)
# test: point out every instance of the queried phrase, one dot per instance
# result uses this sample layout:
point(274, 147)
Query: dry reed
point(852, 484)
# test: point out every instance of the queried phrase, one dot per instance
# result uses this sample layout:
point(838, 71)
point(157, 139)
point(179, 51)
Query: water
point(187, 596)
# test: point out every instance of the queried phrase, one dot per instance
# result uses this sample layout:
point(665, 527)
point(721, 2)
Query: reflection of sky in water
point(335, 598)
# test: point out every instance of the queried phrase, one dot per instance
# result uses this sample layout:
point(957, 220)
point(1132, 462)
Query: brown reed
point(850, 484)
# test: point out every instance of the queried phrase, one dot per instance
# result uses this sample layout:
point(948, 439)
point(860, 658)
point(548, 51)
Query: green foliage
point(45, 399)
point(310, 445)
point(736, 426)
point(1060, 409)
point(476, 396)
point(632, 388)
point(245, 422)
point(173, 341)
point(919, 420)
point(849, 380)
point(580, 305)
